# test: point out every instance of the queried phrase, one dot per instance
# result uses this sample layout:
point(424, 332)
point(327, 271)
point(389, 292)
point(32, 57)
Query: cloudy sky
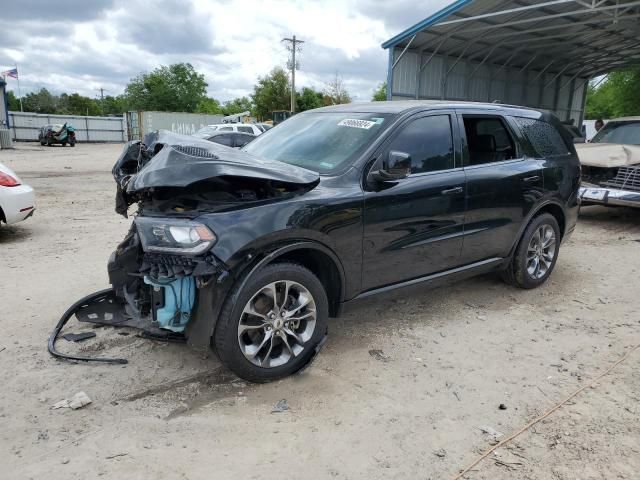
point(80, 45)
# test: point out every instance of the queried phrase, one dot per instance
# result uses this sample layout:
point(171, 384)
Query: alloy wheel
point(541, 251)
point(276, 323)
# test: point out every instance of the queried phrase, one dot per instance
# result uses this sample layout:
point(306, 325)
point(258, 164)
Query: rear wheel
point(274, 326)
point(536, 254)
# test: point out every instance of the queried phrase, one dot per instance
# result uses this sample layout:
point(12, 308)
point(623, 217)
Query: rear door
point(503, 184)
point(413, 227)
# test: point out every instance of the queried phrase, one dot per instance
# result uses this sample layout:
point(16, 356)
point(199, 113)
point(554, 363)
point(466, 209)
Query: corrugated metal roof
point(566, 37)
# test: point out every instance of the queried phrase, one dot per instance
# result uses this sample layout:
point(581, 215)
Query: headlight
point(174, 235)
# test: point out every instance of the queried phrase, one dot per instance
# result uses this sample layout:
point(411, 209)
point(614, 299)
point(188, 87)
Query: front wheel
point(274, 326)
point(536, 254)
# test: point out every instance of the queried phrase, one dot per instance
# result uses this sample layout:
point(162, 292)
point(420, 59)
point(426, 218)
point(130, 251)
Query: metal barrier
point(26, 126)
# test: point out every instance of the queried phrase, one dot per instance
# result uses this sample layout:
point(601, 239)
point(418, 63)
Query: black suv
point(251, 251)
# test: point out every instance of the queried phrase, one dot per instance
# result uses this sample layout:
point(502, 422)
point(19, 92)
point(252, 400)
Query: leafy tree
point(176, 88)
point(272, 92)
point(380, 93)
point(113, 105)
point(209, 105)
point(308, 99)
point(13, 102)
point(617, 96)
point(335, 92)
point(40, 102)
point(76, 104)
point(238, 105)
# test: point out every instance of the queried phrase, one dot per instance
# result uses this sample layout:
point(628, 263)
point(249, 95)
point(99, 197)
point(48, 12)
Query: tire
point(72, 143)
point(235, 347)
point(64, 144)
point(521, 271)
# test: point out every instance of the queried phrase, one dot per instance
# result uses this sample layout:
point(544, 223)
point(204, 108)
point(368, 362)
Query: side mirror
point(396, 167)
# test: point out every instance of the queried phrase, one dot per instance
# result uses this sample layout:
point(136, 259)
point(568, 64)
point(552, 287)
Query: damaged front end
point(610, 174)
point(165, 278)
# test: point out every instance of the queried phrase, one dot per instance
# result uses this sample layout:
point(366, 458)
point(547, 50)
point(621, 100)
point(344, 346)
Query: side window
point(429, 142)
point(544, 138)
point(226, 140)
point(242, 139)
point(242, 128)
point(488, 139)
point(225, 129)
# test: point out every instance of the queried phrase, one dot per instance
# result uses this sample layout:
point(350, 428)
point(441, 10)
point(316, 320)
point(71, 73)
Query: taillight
point(7, 180)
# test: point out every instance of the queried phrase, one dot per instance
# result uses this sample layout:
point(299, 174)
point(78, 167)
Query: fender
point(279, 251)
point(534, 211)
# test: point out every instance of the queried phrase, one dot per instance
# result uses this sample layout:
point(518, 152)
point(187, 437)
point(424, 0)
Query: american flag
point(11, 73)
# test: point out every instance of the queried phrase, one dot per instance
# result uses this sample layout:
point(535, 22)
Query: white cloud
point(231, 42)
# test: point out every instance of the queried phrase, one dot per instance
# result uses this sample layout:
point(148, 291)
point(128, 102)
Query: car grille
point(628, 178)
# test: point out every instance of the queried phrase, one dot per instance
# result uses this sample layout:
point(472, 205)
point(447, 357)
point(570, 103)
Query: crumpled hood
point(608, 155)
point(177, 160)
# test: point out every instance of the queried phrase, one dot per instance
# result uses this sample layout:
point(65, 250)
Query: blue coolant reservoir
point(179, 298)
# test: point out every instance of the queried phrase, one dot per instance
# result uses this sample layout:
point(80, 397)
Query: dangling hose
point(63, 321)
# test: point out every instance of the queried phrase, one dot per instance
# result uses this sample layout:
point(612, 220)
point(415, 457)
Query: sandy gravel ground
point(450, 358)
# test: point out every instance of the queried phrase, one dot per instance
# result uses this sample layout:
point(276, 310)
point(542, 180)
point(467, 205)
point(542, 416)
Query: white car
point(252, 128)
point(17, 201)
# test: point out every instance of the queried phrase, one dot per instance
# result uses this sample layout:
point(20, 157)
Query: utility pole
point(292, 46)
point(102, 90)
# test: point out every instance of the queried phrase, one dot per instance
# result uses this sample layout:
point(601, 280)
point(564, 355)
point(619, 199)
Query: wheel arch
point(314, 256)
point(551, 207)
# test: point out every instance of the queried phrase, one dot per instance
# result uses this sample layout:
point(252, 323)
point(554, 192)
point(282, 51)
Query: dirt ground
point(419, 410)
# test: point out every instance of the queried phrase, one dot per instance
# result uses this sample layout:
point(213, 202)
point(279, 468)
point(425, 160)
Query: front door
point(413, 227)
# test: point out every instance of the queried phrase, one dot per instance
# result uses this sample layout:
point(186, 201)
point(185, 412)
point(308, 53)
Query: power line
point(293, 45)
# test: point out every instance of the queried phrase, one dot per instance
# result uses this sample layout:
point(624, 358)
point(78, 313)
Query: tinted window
point(225, 129)
point(543, 137)
point(244, 129)
point(242, 139)
point(627, 133)
point(222, 140)
point(320, 141)
point(429, 142)
point(488, 140)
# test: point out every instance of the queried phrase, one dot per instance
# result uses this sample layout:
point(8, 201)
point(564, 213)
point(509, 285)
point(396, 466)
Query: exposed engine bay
point(164, 265)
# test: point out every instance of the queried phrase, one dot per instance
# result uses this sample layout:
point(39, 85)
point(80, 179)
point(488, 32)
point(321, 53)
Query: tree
point(271, 93)
point(113, 105)
point(238, 105)
point(176, 88)
point(76, 104)
point(40, 102)
point(380, 93)
point(12, 101)
point(308, 99)
point(617, 96)
point(335, 92)
point(209, 105)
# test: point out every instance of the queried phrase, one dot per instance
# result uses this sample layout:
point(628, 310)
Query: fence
point(25, 126)
point(140, 123)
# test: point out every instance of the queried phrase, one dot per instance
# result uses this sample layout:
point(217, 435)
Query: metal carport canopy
point(534, 53)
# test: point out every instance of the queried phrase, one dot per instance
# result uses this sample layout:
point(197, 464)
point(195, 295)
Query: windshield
point(627, 133)
point(319, 141)
point(205, 132)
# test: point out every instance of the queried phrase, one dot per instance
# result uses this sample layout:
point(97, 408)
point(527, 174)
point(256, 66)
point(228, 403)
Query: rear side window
point(223, 140)
point(225, 129)
point(543, 137)
point(488, 140)
point(241, 139)
point(429, 142)
point(245, 129)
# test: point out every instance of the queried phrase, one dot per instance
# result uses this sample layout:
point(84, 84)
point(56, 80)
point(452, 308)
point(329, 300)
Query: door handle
point(535, 178)
point(450, 191)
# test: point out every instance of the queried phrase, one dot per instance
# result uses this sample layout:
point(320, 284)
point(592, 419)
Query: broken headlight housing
point(168, 235)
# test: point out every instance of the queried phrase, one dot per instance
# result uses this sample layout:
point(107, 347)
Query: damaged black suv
point(251, 251)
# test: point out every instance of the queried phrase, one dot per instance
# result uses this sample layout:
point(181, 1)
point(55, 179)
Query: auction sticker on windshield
point(352, 122)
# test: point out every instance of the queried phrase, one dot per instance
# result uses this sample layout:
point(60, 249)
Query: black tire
point(72, 143)
point(516, 273)
point(225, 337)
point(49, 143)
point(64, 144)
